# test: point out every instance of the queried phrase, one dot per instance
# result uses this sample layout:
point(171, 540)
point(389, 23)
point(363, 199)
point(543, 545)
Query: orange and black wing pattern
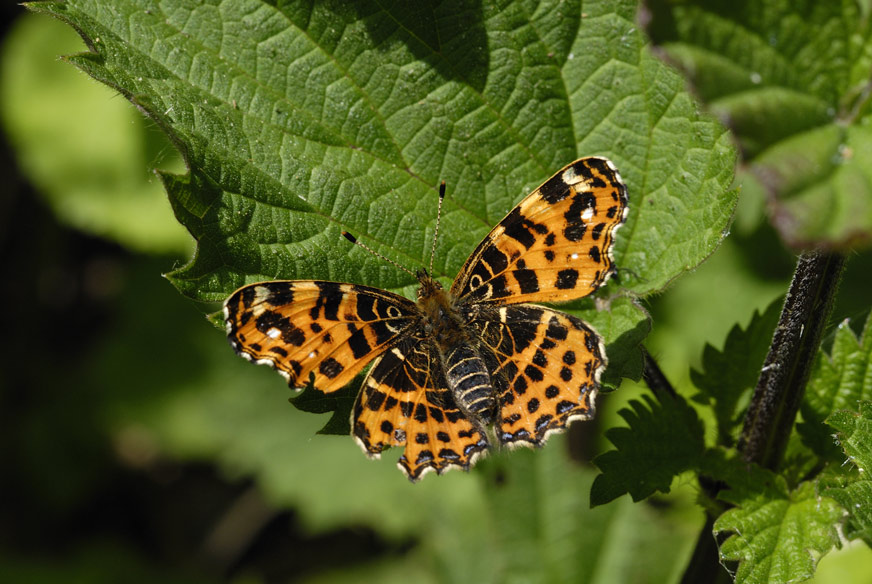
point(549, 366)
point(555, 245)
point(312, 328)
point(405, 401)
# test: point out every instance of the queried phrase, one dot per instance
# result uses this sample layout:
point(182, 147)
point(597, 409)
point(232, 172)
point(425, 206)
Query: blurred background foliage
point(136, 447)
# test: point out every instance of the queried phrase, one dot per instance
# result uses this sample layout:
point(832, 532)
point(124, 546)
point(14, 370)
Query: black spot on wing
point(556, 330)
point(555, 189)
point(518, 228)
point(597, 231)
point(280, 295)
point(526, 280)
point(366, 307)
point(330, 367)
point(329, 301)
point(290, 333)
point(357, 341)
point(594, 254)
point(566, 279)
point(496, 261)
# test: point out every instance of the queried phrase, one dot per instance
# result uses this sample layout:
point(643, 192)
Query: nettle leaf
point(854, 489)
point(299, 121)
point(792, 81)
point(339, 403)
point(624, 326)
point(662, 439)
point(729, 374)
point(838, 381)
point(779, 537)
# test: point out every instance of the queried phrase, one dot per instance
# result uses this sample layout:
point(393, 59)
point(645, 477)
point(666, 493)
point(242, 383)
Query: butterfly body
point(456, 361)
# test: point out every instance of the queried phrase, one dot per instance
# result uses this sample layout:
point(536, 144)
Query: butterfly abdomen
point(469, 381)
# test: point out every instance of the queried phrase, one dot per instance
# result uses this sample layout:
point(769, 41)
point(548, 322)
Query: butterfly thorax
point(465, 370)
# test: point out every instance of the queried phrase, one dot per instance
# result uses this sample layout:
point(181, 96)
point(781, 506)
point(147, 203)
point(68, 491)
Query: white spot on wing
point(273, 333)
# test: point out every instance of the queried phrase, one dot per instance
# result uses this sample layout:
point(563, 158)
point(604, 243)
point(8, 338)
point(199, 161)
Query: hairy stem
point(781, 385)
point(779, 390)
point(654, 377)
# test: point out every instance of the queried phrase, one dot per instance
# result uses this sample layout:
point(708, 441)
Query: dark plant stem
point(654, 377)
point(781, 385)
point(779, 390)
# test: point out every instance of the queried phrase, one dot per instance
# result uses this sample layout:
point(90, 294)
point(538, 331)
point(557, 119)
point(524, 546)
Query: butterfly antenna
point(353, 240)
point(438, 219)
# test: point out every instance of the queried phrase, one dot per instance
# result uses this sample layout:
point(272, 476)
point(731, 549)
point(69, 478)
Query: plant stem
point(781, 385)
point(779, 390)
point(653, 375)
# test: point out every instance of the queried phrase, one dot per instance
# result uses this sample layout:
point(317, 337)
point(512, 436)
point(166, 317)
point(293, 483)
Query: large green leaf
point(792, 81)
point(779, 538)
point(301, 120)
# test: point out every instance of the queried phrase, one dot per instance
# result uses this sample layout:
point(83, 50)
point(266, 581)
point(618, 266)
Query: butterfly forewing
point(555, 245)
point(405, 401)
point(549, 365)
point(326, 329)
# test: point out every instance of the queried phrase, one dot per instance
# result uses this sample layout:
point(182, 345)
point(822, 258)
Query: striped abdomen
point(469, 381)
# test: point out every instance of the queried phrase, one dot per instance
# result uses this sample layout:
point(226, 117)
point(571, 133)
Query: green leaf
point(339, 403)
point(779, 538)
point(663, 439)
point(300, 121)
point(792, 80)
point(624, 326)
point(728, 374)
point(838, 381)
point(854, 493)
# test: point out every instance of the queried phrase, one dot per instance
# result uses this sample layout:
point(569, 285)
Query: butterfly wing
point(555, 245)
point(405, 401)
point(547, 364)
point(307, 327)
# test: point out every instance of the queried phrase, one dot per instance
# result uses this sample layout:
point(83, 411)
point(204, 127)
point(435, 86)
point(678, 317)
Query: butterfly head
point(429, 285)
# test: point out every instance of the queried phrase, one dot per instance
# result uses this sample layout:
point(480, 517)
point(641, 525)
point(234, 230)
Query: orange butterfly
point(457, 361)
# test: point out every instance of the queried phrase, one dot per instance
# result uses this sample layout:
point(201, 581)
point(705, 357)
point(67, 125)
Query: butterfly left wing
point(555, 245)
point(304, 327)
point(547, 366)
point(405, 401)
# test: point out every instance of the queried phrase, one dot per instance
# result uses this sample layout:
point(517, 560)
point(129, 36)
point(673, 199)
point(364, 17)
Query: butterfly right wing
point(405, 401)
point(555, 245)
point(305, 327)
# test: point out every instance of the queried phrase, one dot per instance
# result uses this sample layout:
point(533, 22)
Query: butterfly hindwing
point(307, 327)
point(405, 401)
point(555, 245)
point(549, 365)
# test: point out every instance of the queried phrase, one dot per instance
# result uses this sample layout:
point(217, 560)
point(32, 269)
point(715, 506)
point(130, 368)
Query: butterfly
point(457, 362)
